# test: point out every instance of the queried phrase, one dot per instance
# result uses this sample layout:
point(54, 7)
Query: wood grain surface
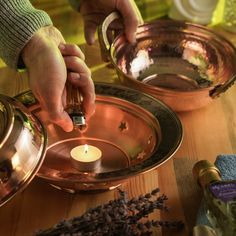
point(208, 132)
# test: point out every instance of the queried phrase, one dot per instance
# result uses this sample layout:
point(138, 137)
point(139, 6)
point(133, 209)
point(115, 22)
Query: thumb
point(131, 17)
point(58, 116)
point(89, 31)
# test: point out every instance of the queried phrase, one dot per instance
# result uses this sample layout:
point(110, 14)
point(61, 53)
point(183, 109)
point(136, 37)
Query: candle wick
point(86, 151)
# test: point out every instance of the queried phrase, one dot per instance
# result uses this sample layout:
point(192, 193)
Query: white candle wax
point(86, 157)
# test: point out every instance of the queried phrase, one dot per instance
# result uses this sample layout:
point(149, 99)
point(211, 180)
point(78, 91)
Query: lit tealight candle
point(86, 157)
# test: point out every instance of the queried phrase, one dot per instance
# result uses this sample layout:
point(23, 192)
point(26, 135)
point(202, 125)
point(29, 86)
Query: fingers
point(55, 110)
point(131, 16)
point(87, 91)
point(61, 119)
point(80, 76)
point(89, 31)
point(48, 72)
point(76, 65)
point(71, 50)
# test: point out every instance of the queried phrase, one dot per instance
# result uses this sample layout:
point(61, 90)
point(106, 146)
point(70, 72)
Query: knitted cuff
point(19, 20)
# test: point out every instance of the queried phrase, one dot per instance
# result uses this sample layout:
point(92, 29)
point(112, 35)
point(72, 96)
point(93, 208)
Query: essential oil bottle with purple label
point(219, 196)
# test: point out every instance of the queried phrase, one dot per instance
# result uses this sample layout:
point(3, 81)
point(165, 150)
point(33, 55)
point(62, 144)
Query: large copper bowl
point(135, 132)
point(184, 65)
point(23, 142)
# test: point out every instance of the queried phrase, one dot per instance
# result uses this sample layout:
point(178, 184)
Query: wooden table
point(208, 132)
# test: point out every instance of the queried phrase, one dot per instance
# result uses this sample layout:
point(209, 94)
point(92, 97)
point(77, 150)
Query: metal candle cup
point(86, 157)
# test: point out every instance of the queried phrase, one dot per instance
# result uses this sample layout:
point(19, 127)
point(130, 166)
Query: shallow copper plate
point(135, 132)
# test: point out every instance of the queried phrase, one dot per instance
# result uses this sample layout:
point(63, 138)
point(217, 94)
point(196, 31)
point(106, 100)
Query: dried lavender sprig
point(117, 217)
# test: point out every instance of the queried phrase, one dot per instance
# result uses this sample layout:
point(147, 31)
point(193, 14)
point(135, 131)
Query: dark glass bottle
point(220, 198)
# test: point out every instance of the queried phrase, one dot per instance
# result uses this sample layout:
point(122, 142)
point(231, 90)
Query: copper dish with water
point(135, 132)
point(184, 65)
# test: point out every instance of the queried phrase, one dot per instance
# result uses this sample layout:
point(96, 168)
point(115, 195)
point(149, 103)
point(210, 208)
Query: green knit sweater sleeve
point(19, 20)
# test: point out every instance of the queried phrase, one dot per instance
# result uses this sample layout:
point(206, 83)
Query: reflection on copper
point(22, 147)
point(119, 149)
point(15, 161)
point(128, 134)
point(140, 62)
point(184, 65)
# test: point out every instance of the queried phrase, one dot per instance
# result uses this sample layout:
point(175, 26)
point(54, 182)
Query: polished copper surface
point(134, 131)
point(22, 147)
point(62, 150)
point(183, 64)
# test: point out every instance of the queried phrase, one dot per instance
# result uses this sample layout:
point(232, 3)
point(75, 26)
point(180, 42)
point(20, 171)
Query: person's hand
point(95, 11)
point(50, 61)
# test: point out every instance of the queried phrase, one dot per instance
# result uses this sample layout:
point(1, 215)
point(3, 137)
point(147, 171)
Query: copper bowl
point(184, 65)
point(135, 132)
point(23, 141)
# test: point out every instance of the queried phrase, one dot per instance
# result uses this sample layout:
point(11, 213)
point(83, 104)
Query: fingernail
point(61, 46)
point(131, 38)
point(74, 76)
point(67, 128)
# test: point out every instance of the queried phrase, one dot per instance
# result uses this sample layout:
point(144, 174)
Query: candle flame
point(85, 148)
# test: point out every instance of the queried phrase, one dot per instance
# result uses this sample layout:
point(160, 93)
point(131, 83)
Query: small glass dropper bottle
point(220, 198)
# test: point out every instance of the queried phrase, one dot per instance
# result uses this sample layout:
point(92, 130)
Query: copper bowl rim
point(8, 104)
point(172, 23)
point(170, 119)
point(9, 121)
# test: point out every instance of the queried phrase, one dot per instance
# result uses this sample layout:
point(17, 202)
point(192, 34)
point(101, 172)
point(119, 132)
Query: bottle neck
point(206, 173)
point(208, 176)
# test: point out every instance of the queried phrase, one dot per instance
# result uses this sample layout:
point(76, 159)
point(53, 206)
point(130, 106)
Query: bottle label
point(225, 191)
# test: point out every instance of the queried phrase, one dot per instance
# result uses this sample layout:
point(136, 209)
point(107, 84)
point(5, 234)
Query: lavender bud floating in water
point(118, 217)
